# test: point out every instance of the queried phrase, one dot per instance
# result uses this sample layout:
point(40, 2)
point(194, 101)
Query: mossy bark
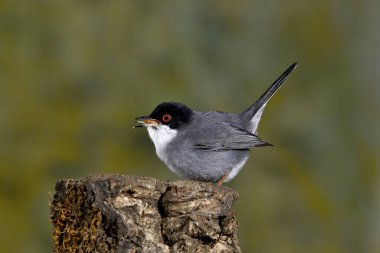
point(115, 213)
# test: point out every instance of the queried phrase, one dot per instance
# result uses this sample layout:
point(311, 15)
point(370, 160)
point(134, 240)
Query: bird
point(208, 146)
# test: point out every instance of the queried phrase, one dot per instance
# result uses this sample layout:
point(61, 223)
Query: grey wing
point(229, 137)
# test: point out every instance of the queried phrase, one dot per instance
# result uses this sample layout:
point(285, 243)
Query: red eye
point(166, 118)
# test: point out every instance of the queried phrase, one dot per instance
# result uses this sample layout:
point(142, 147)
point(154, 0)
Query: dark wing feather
point(232, 138)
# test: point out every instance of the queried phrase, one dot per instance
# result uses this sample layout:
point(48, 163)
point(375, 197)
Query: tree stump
point(116, 213)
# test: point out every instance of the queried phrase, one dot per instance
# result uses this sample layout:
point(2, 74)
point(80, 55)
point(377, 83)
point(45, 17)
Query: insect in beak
point(146, 121)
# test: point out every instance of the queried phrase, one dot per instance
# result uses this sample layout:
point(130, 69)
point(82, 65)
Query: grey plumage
point(211, 145)
point(207, 146)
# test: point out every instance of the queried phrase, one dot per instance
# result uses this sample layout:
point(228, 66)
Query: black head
point(172, 114)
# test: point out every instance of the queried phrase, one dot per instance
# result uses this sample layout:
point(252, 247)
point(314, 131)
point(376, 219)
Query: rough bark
point(115, 213)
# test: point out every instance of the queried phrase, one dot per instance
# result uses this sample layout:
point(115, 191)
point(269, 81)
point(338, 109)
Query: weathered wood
point(115, 213)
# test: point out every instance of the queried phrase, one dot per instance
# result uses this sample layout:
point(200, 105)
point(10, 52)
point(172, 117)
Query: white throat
point(161, 136)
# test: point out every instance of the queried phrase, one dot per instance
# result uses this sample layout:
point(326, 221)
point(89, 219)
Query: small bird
point(207, 146)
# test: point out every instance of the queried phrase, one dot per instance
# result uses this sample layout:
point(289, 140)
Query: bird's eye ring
point(166, 118)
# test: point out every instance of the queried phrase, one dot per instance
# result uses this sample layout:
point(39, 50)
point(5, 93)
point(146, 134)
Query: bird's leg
point(221, 181)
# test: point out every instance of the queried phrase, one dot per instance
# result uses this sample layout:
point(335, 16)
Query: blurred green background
point(74, 75)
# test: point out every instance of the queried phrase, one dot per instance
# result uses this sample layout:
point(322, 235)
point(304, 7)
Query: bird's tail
point(253, 113)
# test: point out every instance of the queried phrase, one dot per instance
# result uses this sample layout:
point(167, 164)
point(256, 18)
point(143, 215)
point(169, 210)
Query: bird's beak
point(146, 121)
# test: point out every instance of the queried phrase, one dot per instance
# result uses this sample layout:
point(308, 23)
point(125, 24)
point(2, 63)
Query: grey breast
point(190, 162)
